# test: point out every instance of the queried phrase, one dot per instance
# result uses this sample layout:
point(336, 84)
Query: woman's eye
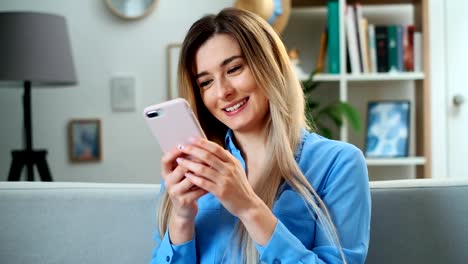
point(234, 69)
point(204, 83)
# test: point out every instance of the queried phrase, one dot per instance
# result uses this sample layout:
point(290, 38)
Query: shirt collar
point(232, 148)
point(228, 141)
point(298, 152)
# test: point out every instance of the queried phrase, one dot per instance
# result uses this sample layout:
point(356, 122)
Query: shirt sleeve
point(347, 196)
point(284, 247)
point(165, 252)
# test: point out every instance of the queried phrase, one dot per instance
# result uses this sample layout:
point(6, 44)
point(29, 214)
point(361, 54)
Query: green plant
point(337, 112)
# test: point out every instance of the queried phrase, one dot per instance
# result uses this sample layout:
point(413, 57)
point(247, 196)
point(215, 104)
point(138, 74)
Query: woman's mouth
point(236, 107)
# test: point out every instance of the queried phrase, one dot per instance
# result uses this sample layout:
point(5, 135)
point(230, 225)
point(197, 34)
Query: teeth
point(236, 106)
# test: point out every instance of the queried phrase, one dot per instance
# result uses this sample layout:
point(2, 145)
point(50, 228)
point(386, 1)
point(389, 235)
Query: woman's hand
point(215, 170)
point(183, 197)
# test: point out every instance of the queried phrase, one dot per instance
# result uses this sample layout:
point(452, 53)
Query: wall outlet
point(123, 98)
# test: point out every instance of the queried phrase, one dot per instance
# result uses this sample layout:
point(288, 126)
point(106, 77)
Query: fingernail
point(179, 160)
point(188, 175)
point(180, 147)
point(192, 139)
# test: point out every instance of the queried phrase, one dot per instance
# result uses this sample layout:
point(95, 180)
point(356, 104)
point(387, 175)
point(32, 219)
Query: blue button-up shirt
point(337, 171)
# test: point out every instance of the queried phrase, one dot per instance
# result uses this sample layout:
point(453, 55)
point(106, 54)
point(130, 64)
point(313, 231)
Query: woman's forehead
point(215, 50)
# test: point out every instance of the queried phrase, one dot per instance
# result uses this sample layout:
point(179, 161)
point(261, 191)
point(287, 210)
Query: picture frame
point(85, 144)
point(172, 56)
point(388, 129)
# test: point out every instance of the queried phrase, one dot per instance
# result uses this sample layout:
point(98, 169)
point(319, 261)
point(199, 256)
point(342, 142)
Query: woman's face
point(227, 86)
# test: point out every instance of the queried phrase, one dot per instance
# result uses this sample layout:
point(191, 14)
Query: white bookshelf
point(357, 88)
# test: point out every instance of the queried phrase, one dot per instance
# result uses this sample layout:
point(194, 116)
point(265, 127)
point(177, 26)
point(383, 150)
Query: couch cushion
point(76, 222)
point(419, 221)
point(413, 221)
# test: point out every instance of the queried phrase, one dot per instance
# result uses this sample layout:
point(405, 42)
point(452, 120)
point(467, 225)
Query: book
point(381, 41)
point(365, 46)
point(359, 34)
point(372, 49)
point(333, 25)
point(392, 39)
point(408, 48)
point(352, 42)
point(322, 51)
point(348, 63)
point(417, 56)
point(400, 36)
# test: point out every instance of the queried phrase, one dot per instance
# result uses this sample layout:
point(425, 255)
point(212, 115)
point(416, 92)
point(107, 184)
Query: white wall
point(103, 45)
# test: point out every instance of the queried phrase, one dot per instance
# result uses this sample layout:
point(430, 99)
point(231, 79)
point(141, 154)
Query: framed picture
point(172, 55)
point(387, 133)
point(85, 140)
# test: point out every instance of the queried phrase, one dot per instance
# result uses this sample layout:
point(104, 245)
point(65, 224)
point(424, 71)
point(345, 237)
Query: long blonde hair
point(268, 60)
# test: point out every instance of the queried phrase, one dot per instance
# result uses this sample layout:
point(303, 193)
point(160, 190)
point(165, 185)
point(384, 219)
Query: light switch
point(123, 98)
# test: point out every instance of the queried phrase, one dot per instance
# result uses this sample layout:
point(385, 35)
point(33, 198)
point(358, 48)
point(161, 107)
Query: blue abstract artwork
point(387, 129)
point(85, 140)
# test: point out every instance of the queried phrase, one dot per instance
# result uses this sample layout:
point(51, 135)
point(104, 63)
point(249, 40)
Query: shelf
point(396, 161)
point(311, 3)
point(325, 77)
point(391, 76)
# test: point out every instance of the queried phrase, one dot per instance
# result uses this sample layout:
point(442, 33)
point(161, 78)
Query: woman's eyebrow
point(223, 63)
point(228, 60)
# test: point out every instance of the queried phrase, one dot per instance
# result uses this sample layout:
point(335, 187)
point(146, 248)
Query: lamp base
point(22, 158)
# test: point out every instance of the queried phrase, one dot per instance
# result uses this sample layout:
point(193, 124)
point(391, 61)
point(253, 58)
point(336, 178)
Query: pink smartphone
point(172, 123)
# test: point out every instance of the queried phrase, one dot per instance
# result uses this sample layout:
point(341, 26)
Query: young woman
point(262, 188)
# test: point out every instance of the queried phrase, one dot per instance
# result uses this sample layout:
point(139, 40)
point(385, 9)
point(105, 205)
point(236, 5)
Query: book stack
point(374, 48)
point(370, 48)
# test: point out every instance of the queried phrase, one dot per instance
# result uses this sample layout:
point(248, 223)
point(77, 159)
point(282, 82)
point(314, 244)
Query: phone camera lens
point(152, 114)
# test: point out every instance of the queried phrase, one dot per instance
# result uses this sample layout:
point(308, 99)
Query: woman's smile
point(235, 108)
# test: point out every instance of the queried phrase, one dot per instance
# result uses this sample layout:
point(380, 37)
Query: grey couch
point(413, 221)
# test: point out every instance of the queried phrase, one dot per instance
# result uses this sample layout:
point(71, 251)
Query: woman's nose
point(224, 89)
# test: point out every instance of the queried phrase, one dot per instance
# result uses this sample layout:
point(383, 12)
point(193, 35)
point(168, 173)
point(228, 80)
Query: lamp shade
point(35, 47)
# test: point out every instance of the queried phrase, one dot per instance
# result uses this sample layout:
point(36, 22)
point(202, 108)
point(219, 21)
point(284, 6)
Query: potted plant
point(337, 112)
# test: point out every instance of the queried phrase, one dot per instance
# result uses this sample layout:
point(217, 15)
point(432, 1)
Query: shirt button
point(276, 261)
point(168, 258)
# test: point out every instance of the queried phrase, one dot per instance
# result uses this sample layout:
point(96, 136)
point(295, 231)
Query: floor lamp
point(34, 50)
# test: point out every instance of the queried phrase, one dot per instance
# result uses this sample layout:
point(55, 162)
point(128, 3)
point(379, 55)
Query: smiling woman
point(266, 189)
point(227, 86)
point(131, 9)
